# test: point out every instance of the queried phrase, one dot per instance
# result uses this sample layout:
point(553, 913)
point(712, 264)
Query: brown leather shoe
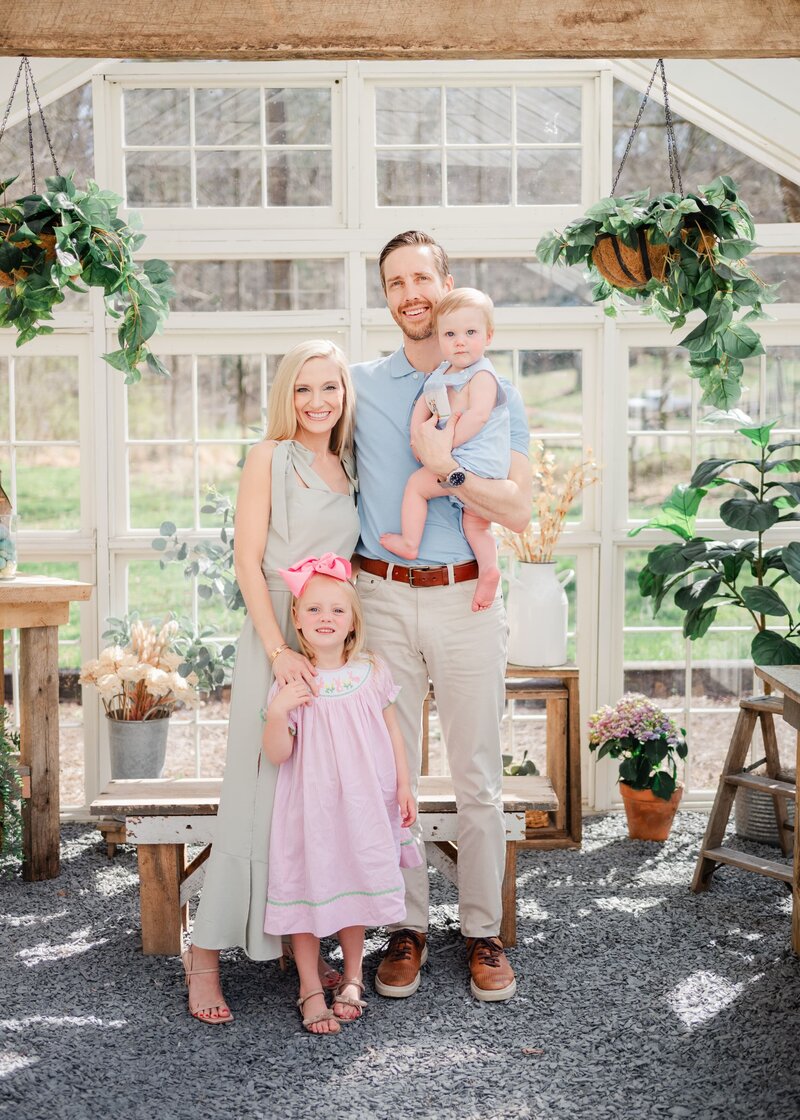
point(398, 972)
point(492, 977)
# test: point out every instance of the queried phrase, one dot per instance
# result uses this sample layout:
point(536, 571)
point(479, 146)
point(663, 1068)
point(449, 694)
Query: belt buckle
point(422, 571)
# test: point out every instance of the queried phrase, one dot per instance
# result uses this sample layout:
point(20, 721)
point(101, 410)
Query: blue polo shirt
point(386, 391)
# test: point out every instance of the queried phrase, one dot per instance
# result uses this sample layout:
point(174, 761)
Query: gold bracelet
point(276, 651)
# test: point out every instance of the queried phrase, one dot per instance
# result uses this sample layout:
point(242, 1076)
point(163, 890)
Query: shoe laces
point(401, 944)
point(488, 950)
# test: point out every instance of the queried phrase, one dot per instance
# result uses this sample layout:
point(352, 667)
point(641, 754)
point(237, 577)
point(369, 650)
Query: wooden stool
point(735, 776)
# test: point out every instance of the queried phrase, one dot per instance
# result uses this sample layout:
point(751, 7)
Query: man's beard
point(415, 332)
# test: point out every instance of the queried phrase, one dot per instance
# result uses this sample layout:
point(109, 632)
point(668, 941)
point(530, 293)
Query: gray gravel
point(639, 999)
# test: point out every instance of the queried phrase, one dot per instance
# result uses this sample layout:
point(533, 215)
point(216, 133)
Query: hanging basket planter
point(676, 253)
point(625, 267)
point(68, 237)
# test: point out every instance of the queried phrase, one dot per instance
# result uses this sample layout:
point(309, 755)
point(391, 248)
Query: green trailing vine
point(10, 795)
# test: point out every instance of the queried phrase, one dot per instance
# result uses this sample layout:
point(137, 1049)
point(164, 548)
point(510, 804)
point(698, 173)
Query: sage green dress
point(305, 520)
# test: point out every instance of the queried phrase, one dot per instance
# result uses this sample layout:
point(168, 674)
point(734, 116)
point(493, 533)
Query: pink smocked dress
point(337, 845)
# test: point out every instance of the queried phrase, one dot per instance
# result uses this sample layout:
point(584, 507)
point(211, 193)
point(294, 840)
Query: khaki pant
point(432, 632)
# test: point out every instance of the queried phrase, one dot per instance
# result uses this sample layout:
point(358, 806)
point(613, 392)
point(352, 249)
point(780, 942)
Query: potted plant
point(702, 574)
point(537, 603)
point(649, 743)
point(140, 684)
point(10, 794)
point(67, 237)
point(676, 255)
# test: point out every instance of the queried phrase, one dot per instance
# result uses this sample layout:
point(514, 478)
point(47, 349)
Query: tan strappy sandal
point(203, 1014)
point(348, 1001)
point(324, 1016)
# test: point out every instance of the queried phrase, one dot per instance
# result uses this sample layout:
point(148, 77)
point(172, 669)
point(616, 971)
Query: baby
point(466, 383)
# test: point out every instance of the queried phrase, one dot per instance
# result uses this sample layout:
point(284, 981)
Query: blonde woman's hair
point(281, 415)
point(354, 643)
point(464, 297)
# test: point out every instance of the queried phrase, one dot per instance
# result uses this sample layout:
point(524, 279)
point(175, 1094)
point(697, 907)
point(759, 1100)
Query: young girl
point(466, 383)
point(296, 496)
point(343, 802)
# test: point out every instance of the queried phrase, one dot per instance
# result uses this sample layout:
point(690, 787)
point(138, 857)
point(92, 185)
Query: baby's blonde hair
point(281, 415)
point(464, 297)
point(354, 643)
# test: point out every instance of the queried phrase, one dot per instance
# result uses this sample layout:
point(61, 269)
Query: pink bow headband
point(329, 564)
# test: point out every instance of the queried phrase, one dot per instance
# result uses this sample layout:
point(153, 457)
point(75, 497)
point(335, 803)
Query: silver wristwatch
point(456, 477)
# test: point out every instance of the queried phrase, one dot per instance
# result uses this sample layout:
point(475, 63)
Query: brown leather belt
point(420, 577)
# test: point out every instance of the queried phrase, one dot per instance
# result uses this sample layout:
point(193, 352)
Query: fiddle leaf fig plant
point(703, 574)
point(677, 255)
point(71, 238)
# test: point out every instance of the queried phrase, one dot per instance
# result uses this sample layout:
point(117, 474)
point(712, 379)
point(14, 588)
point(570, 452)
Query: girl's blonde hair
point(281, 415)
point(464, 297)
point(354, 643)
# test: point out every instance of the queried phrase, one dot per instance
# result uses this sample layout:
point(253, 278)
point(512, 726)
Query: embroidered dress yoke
point(307, 518)
point(337, 844)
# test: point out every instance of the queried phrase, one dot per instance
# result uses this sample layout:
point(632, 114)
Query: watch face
point(456, 478)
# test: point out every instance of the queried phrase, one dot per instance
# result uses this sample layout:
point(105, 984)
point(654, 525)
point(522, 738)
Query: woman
point(296, 498)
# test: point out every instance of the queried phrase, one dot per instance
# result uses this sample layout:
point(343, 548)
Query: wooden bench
point(161, 817)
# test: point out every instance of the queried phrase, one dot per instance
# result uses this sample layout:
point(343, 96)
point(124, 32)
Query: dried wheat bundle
point(551, 503)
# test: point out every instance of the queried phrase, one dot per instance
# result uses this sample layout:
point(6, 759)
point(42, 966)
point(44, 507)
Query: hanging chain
point(30, 83)
point(672, 146)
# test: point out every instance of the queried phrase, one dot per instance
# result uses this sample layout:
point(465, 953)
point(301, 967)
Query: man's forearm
point(496, 499)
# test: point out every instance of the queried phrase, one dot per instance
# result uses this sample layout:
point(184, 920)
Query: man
point(419, 614)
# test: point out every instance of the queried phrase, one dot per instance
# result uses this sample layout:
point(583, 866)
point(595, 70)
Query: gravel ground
point(637, 1001)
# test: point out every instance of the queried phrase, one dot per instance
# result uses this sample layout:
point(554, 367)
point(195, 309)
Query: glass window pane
point(655, 664)
point(218, 467)
point(551, 384)
point(298, 285)
point(298, 116)
point(770, 197)
point(722, 445)
point(709, 738)
point(158, 178)
point(478, 115)
point(409, 179)
point(567, 453)
point(160, 407)
point(548, 177)
point(48, 487)
point(783, 385)
point(655, 465)
point(549, 116)
point(229, 396)
point(479, 177)
point(638, 610)
point(156, 116)
point(299, 179)
point(659, 390)
point(783, 269)
point(5, 432)
point(227, 116)
point(69, 122)
point(154, 592)
point(229, 178)
point(408, 116)
point(161, 485)
point(46, 398)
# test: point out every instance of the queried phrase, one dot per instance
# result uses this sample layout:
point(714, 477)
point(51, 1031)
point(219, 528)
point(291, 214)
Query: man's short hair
point(415, 237)
point(464, 297)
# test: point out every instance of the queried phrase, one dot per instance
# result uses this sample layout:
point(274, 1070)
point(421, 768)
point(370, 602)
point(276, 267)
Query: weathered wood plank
point(747, 862)
point(163, 916)
point(508, 921)
point(38, 705)
point(227, 29)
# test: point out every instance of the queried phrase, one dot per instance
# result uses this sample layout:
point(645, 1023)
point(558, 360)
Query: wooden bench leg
point(508, 925)
point(160, 872)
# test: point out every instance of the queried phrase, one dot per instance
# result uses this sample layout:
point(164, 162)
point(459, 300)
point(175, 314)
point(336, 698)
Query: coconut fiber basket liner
point(625, 267)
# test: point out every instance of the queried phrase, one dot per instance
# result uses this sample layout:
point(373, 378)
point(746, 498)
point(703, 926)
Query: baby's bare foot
point(485, 589)
point(399, 545)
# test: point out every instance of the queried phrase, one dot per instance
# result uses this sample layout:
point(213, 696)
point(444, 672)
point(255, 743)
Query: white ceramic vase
point(537, 615)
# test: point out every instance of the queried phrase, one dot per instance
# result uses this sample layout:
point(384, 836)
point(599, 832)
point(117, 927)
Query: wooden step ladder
point(735, 776)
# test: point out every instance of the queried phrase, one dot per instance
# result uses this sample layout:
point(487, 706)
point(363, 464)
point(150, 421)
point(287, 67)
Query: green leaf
point(763, 600)
point(697, 622)
point(712, 468)
point(550, 248)
point(700, 340)
point(743, 513)
point(159, 544)
point(735, 248)
point(790, 555)
point(667, 559)
point(168, 529)
point(663, 785)
point(740, 341)
point(693, 595)
point(758, 435)
point(771, 648)
point(118, 359)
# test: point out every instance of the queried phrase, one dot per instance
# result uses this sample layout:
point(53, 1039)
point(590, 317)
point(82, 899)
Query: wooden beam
point(281, 29)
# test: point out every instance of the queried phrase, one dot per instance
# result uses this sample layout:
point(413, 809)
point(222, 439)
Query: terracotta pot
point(629, 268)
point(649, 817)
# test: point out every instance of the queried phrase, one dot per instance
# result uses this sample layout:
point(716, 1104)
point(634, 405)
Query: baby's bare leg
point(477, 530)
point(422, 486)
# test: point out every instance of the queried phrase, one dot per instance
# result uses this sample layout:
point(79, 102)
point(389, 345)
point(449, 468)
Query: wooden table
point(786, 680)
point(37, 606)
